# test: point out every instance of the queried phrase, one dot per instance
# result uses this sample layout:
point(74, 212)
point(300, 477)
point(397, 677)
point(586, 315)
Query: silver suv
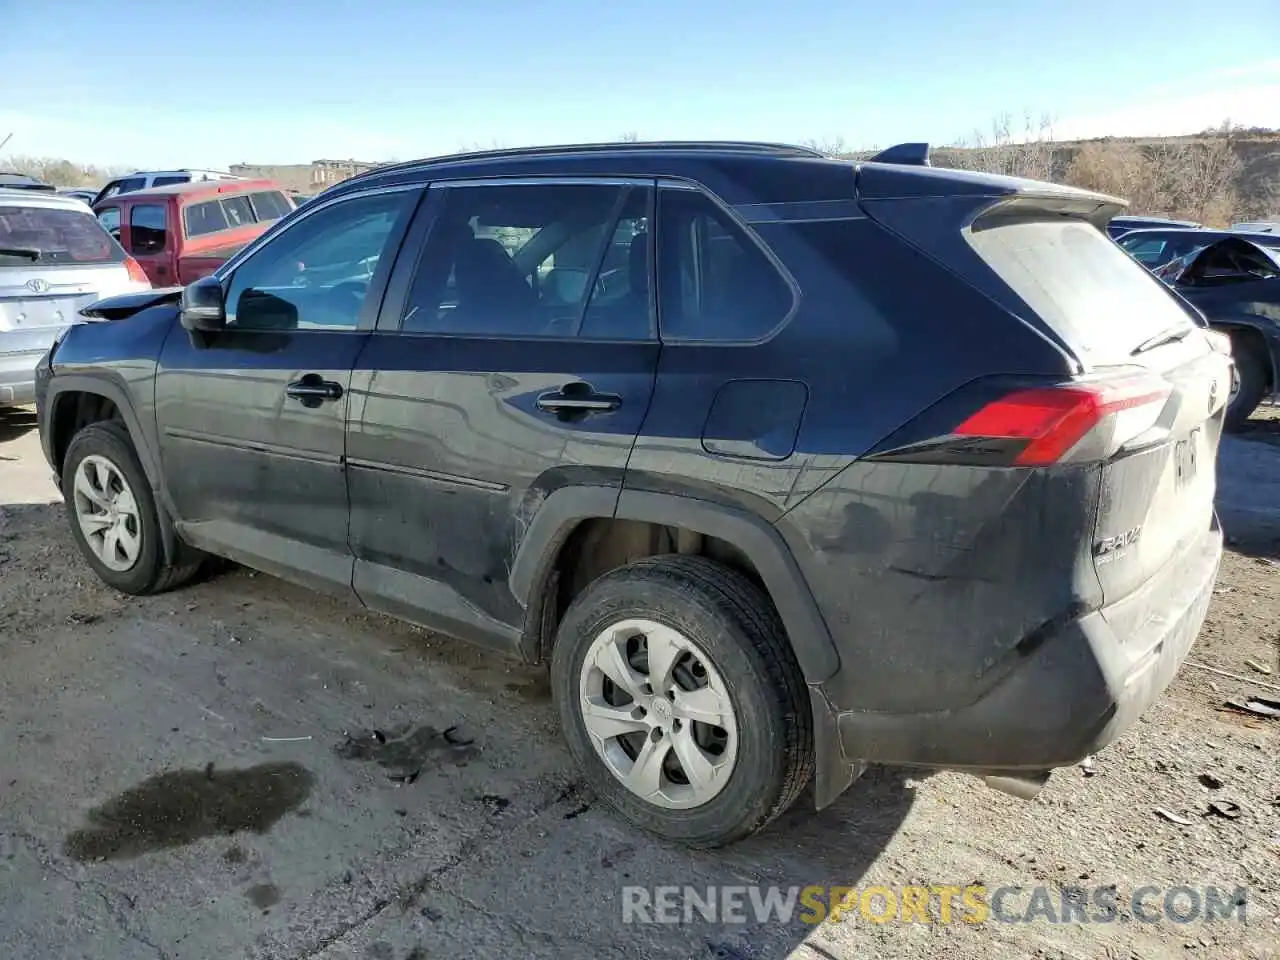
point(55, 258)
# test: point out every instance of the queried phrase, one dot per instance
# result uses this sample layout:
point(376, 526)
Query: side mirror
point(203, 306)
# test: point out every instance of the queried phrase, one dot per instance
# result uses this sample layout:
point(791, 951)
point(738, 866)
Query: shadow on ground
point(16, 421)
point(1248, 498)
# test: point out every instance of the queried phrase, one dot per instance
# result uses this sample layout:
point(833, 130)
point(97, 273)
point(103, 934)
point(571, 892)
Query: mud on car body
point(783, 464)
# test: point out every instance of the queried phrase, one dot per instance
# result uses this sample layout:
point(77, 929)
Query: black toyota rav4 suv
point(784, 464)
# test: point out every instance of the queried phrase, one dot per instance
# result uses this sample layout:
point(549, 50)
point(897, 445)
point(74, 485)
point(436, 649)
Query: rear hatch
point(54, 260)
point(1149, 385)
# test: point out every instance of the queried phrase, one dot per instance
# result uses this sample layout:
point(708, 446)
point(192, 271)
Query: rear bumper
point(18, 376)
point(1072, 695)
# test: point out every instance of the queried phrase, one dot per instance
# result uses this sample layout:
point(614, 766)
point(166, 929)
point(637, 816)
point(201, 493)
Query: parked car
point(20, 181)
point(84, 195)
point(773, 490)
point(1257, 226)
point(1155, 248)
point(54, 259)
point(1118, 226)
point(185, 231)
point(146, 179)
point(1235, 283)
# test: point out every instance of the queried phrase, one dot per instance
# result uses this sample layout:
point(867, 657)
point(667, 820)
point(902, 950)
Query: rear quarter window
point(270, 204)
point(1101, 301)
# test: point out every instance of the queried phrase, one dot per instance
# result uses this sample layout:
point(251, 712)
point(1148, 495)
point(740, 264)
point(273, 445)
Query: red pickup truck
point(184, 231)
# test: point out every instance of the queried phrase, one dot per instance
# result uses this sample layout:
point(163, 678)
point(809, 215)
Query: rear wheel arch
point(581, 533)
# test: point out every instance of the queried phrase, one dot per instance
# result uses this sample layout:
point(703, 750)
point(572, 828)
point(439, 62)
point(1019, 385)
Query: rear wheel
point(113, 514)
point(681, 700)
point(1248, 384)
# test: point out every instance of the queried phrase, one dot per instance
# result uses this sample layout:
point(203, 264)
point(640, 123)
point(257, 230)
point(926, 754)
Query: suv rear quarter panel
point(879, 334)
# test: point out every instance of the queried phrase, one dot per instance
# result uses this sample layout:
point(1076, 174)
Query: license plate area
point(33, 313)
point(1186, 459)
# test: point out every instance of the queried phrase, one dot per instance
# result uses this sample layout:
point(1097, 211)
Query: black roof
point(739, 171)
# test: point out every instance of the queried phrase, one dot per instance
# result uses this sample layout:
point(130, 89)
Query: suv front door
point(252, 419)
point(516, 356)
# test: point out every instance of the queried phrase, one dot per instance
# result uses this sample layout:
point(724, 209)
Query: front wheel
point(681, 700)
point(113, 514)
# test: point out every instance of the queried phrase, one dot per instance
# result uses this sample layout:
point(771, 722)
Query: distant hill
point(1249, 186)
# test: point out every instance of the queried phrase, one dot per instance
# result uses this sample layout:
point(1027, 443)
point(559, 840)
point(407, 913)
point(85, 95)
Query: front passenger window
point(316, 274)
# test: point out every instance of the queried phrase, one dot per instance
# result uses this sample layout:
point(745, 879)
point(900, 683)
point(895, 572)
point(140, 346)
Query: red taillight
point(1054, 420)
point(136, 273)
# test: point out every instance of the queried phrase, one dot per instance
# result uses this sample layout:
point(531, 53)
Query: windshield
point(1099, 299)
point(52, 235)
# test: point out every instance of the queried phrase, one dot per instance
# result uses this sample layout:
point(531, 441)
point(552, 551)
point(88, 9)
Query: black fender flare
point(143, 442)
point(118, 395)
point(758, 540)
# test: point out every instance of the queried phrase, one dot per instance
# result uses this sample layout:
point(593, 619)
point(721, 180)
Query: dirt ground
point(195, 775)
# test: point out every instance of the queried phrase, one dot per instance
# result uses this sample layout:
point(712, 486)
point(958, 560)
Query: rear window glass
point(207, 217)
point(1100, 300)
point(270, 204)
point(51, 236)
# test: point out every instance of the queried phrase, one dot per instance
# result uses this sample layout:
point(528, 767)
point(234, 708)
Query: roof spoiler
point(910, 154)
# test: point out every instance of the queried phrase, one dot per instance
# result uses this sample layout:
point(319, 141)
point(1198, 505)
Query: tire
point(1252, 373)
point(102, 448)
point(732, 632)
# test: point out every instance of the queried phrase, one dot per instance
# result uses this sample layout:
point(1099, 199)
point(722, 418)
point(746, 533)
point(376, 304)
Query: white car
point(55, 259)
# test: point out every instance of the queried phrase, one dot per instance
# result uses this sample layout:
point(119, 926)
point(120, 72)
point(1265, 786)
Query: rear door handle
point(313, 391)
point(577, 399)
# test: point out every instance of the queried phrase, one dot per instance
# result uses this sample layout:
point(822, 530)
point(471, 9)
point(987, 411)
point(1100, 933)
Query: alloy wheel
point(658, 714)
point(107, 513)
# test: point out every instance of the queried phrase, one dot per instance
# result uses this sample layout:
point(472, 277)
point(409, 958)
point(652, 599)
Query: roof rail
point(910, 154)
point(727, 146)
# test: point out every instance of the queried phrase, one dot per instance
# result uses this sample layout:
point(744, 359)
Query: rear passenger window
point(532, 260)
point(146, 228)
point(714, 282)
point(239, 212)
point(205, 218)
point(166, 181)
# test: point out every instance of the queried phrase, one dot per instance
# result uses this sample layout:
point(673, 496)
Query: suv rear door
point(515, 355)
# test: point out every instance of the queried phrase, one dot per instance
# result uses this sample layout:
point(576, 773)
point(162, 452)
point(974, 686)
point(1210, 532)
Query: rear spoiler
point(127, 304)
point(904, 171)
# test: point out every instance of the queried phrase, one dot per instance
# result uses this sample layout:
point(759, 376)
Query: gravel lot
point(195, 776)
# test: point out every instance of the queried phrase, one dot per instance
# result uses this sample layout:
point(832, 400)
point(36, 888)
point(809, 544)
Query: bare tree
point(1029, 153)
point(61, 173)
point(629, 137)
point(1196, 179)
point(828, 146)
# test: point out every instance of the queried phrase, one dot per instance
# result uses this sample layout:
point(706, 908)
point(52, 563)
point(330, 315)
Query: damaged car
point(1235, 284)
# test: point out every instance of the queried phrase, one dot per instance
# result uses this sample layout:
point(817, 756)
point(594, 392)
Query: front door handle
point(576, 400)
point(313, 391)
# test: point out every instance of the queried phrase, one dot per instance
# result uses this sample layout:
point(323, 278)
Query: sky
point(208, 84)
